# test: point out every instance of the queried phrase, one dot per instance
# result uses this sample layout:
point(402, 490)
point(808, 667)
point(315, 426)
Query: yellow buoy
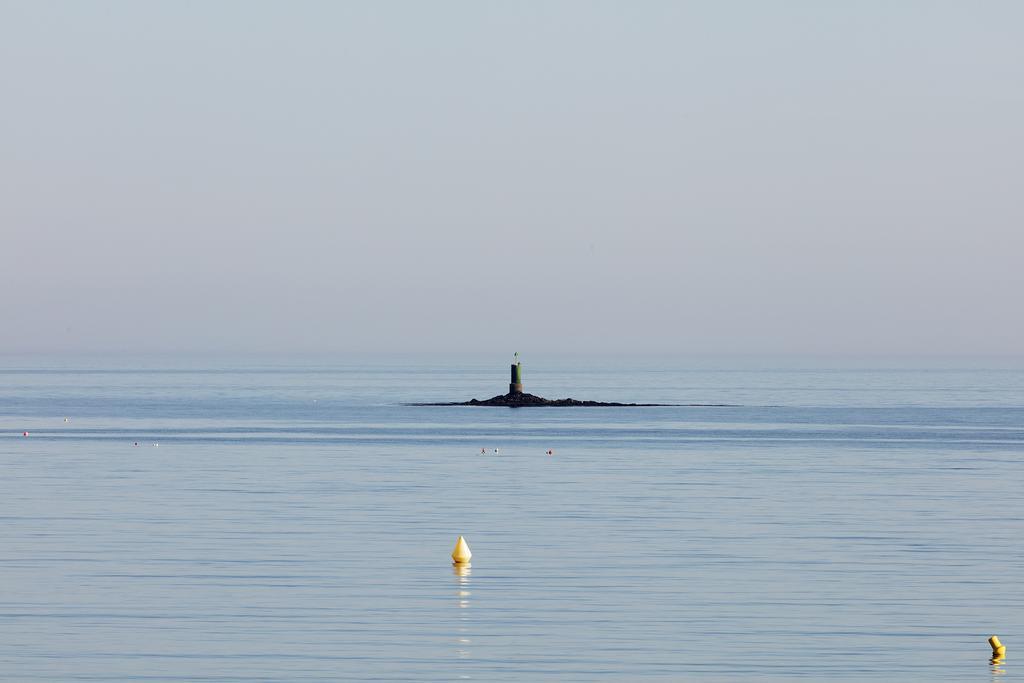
point(998, 649)
point(461, 554)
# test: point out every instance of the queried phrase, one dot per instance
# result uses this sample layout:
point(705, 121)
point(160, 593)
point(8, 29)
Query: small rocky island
point(516, 398)
point(511, 400)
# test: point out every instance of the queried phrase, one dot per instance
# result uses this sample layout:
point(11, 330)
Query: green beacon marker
point(516, 385)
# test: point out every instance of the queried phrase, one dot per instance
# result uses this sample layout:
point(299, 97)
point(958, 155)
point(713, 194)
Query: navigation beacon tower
point(516, 386)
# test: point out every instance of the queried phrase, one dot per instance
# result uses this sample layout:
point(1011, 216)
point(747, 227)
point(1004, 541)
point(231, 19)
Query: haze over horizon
point(575, 176)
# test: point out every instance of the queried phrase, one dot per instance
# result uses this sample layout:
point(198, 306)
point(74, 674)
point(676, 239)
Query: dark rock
point(519, 400)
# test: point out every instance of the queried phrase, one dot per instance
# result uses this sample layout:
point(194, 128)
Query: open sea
point(204, 519)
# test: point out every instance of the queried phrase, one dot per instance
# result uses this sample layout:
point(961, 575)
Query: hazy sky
point(749, 177)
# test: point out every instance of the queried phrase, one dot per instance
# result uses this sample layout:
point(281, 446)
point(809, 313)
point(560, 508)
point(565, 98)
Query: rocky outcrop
point(520, 400)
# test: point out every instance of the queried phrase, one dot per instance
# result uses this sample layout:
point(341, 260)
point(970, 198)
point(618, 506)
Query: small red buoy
point(24, 433)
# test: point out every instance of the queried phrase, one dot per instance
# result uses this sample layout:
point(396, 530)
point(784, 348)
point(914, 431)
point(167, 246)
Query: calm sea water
point(291, 520)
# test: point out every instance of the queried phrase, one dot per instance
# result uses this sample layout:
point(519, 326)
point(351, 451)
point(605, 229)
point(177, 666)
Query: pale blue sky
point(747, 177)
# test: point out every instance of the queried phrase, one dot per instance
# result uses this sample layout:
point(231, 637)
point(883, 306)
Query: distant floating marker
point(550, 452)
point(461, 554)
point(998, 649)
point(24, 433)
point(495, 450)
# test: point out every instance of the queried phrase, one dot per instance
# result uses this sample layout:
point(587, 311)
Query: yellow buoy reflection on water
point(461, 554)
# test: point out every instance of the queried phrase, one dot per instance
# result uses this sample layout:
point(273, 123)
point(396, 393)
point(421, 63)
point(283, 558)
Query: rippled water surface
point(292, 519)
